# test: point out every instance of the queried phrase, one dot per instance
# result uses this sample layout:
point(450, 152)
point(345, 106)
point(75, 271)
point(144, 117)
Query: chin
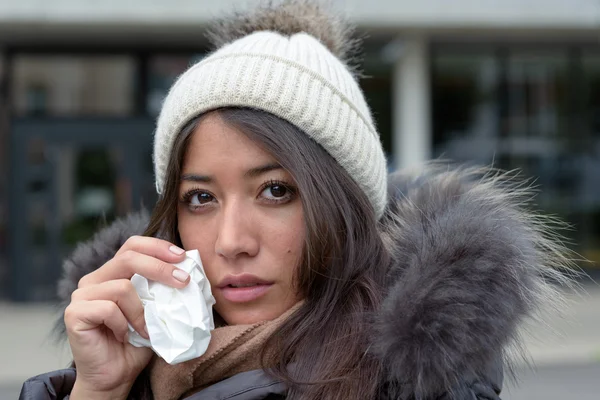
point(249, 315)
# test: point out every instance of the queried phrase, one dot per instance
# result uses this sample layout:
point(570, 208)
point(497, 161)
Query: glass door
point(73, 177)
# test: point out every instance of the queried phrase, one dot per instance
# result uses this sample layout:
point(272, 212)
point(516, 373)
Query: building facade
point(512, 83)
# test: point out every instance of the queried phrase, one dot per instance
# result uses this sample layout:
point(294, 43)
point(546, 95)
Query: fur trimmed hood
point(470, 263)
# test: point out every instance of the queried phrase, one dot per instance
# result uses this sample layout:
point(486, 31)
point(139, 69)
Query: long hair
point(322, 349)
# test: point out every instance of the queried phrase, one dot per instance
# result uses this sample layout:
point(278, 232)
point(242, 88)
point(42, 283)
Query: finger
point(123, 294)
point(154, 247)
point(82, 316)
point(128, 263)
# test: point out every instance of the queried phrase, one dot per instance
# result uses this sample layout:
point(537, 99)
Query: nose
point(237, 235)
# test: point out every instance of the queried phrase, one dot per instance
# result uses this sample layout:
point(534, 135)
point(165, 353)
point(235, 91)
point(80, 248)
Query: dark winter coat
point(469, 265)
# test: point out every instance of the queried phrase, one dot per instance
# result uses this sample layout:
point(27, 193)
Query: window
point(537, 94)
point(465, 106)
point(377, 86)
point(3, 180)
point(163, 71)
point(68, 85)
point(532, 110)
point(589, 204)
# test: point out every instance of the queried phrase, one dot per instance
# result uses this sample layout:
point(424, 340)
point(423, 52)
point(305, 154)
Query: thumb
point(138, 357)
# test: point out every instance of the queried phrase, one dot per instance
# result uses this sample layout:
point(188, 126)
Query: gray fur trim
point(470, 263)
point(289, 17)
point(94, 253)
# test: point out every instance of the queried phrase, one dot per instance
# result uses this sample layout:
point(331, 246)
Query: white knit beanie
point(293, 76)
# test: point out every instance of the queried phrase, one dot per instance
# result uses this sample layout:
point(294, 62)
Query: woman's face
point(242, 212)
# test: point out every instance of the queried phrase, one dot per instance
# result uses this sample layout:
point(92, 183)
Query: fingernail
point(176, 250)
point(180, 275)
point(126, 338)
point(146, 331)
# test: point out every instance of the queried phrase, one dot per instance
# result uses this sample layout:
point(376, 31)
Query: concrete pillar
point(412, 137)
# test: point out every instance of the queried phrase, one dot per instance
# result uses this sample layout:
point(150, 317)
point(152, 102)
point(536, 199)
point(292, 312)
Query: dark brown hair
point(342, 268)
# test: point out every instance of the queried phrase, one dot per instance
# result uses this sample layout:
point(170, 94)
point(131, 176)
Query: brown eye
point(200, 198)
point(278, 190)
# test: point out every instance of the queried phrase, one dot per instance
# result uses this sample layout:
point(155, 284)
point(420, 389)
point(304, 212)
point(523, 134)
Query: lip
point(243, 294)
point(243, 279)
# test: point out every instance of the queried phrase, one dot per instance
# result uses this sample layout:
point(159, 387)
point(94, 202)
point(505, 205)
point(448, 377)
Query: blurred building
point(515, 83)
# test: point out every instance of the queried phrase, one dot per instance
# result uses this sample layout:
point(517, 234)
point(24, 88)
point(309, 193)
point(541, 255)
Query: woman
point(330, 282)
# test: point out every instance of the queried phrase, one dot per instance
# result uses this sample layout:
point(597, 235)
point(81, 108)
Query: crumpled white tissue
point(179, 321)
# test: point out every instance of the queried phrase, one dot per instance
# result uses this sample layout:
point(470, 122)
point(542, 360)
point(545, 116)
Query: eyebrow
point(251, 173)
point(258, 171)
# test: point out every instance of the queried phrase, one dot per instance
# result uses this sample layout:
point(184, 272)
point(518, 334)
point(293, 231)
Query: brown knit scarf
point(232, 350)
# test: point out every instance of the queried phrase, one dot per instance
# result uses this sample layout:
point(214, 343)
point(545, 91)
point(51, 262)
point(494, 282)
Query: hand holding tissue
point(179, 321)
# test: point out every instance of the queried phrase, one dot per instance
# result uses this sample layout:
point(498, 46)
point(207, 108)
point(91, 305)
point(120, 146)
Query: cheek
point(195, 238)
point(295, 243)
point(287, 242)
